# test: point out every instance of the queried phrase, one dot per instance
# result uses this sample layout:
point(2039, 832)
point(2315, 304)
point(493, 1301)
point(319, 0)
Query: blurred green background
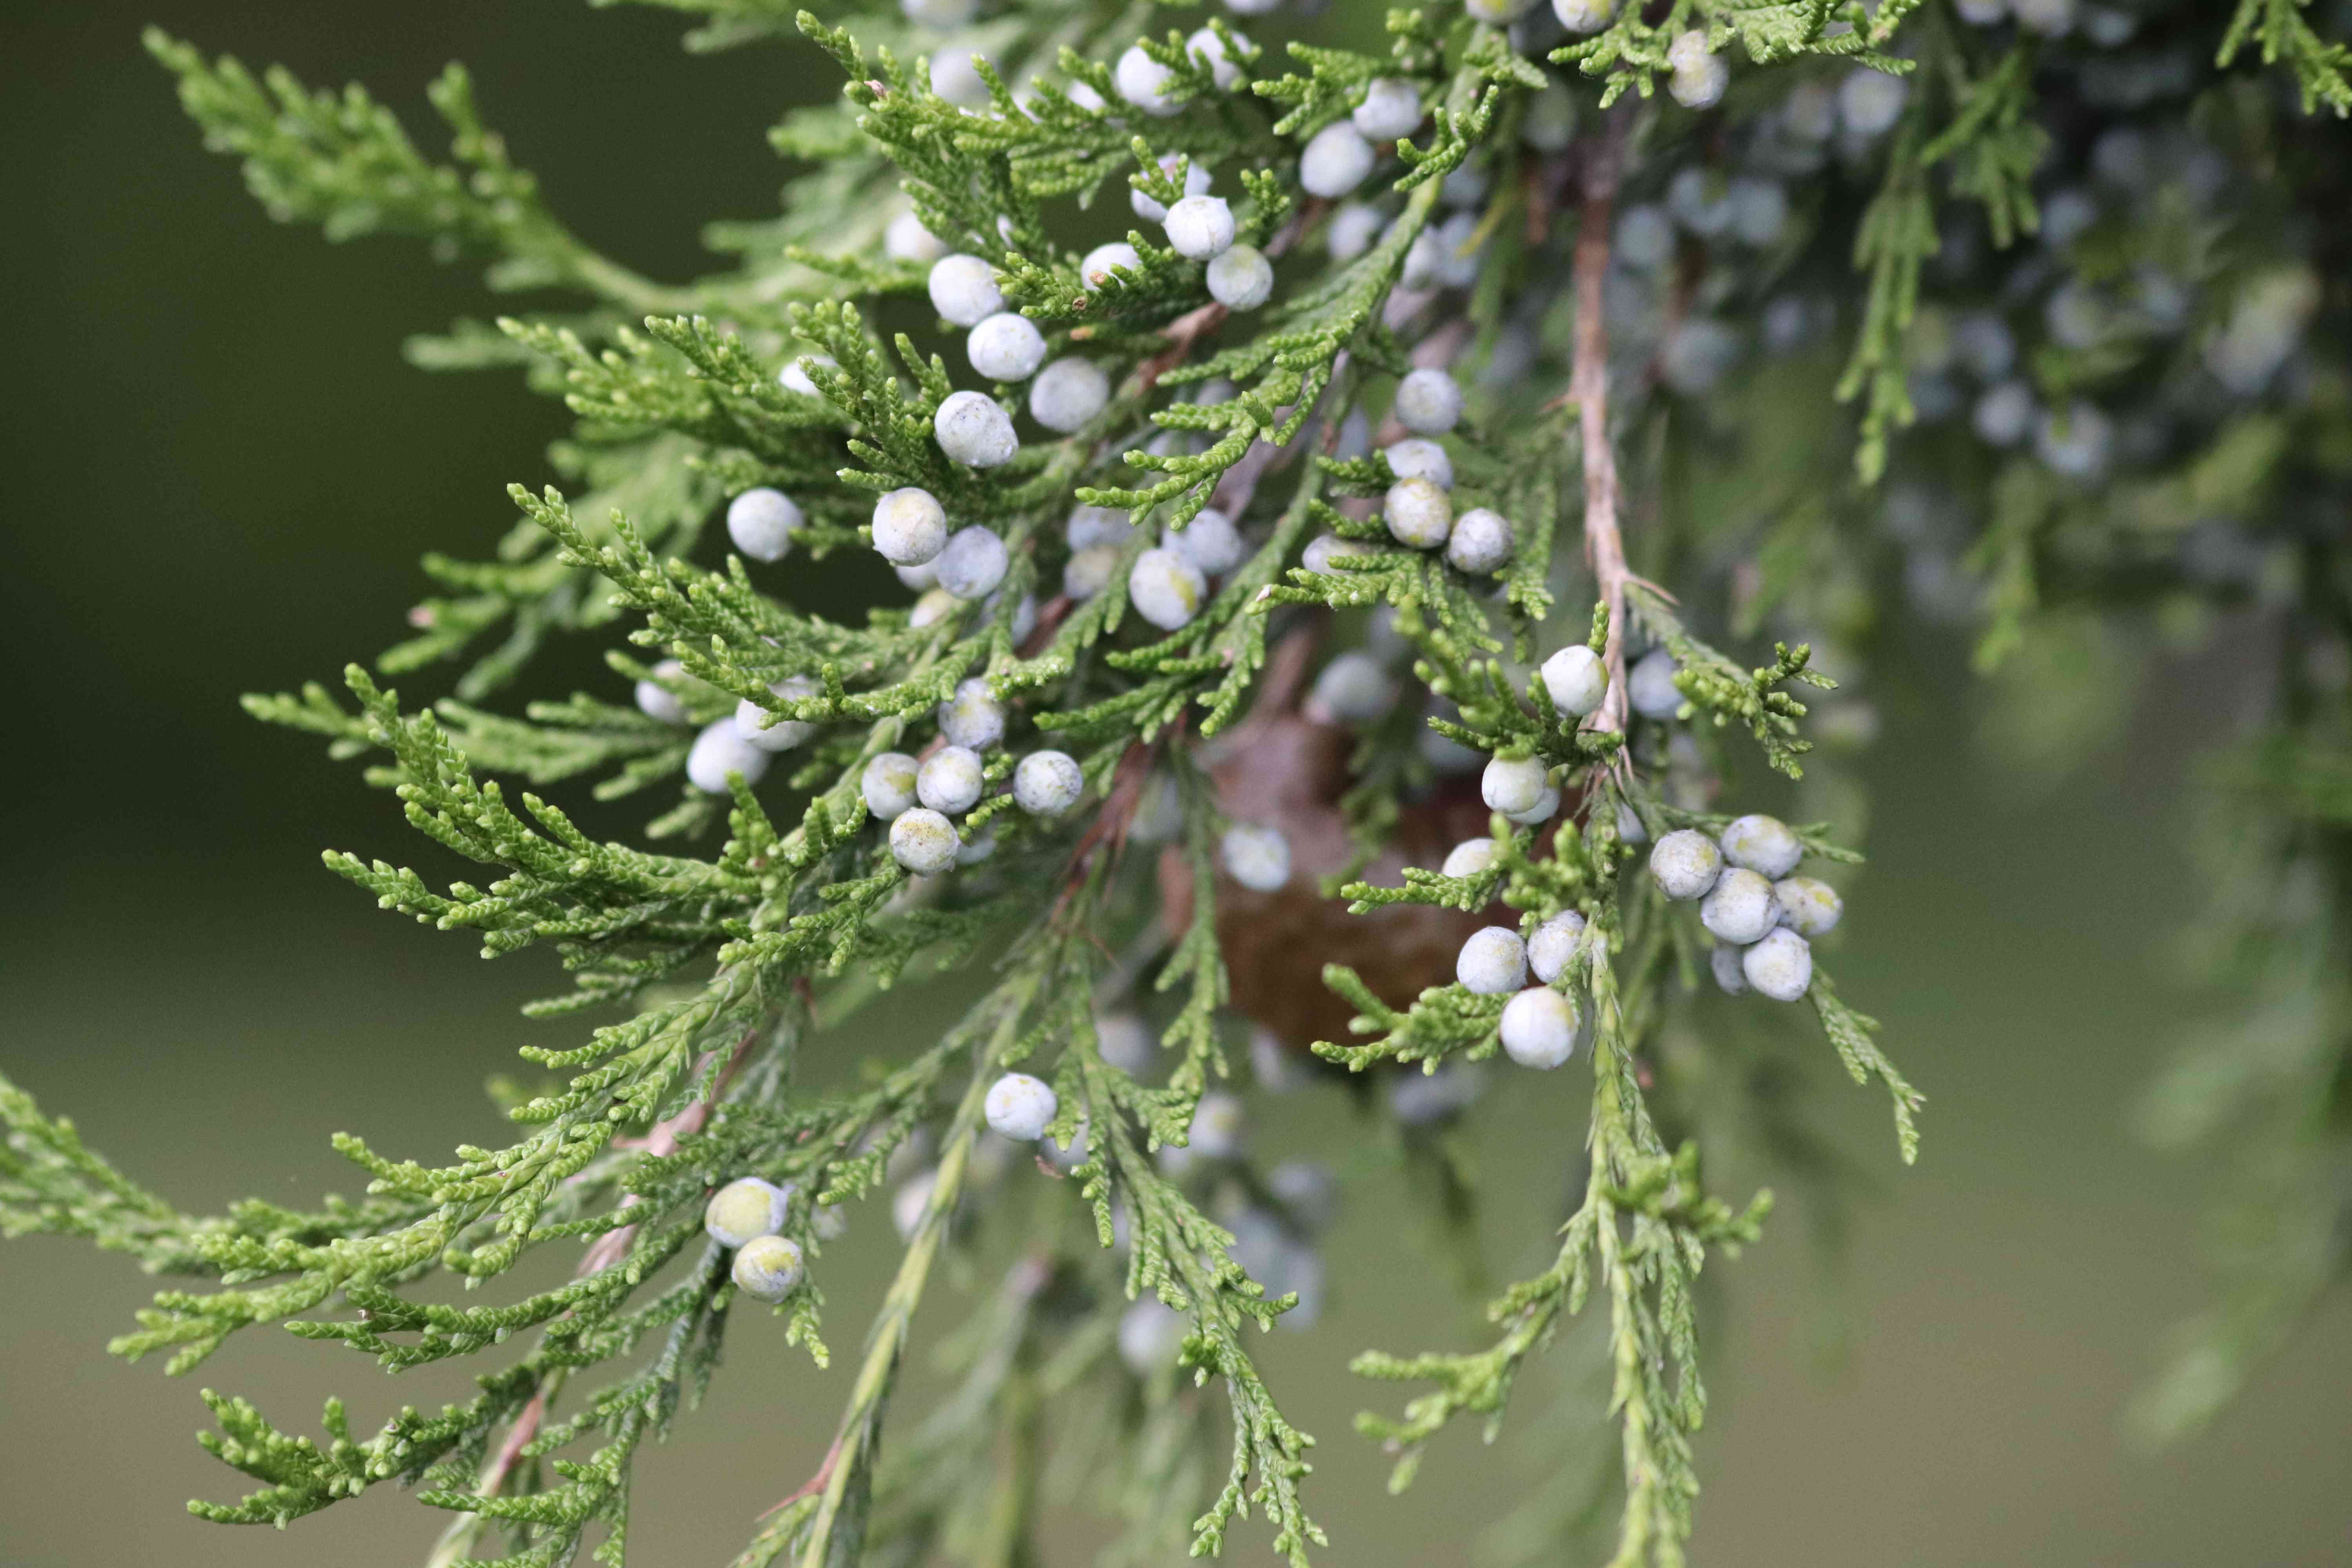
point(220, 474)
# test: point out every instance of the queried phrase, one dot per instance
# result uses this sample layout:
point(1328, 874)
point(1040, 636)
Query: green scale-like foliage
point(1733, 508)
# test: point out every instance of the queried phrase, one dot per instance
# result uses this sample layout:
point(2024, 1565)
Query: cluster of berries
point(748, 1216)
point(1418, 509)
point(1759, 914)
point(1541, 1026)
point(915, 797)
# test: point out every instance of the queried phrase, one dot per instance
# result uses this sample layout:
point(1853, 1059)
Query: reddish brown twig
point(1604, 544)
point(612, 1246)
point(810, 1487)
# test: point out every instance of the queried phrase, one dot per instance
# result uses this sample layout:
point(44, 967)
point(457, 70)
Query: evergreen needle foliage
point(1764, 328)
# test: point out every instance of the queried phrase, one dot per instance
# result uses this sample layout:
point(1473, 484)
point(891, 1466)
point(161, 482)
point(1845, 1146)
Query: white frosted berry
point(654, 697)
point(1095, 267)
point(1539, 1027)
point(1700, 201)
point(1219, 1125)
point(1629, 826)
point(2050, 18)
point(761, 523)
point(1150, 1334)
point(963, 290)
point(949, 781)
point(1083, 95)
point(1025, 615)
point(1352, 689)
point(1165, 589)
point(1492, 961)
point(1426, 1099)
point(1242, 278)
point(1685, 864)
point(744, 1208)
point(1554, 943)
point(918, 577)
point(1210, 542)
point(1447, 756)
point(936, 605)
point(1808, 906)
point(1546, 807)
point(794, 377)
point(940, 13)
point(956, 80)
point(1199, 228)
point(1253, 7)
point(907, 240)
point(973, 429)
point(923, 841)
point(1730, 974)
point(911, 1202)
point(2004, 414)
point(1207, 50)
point(1650, 685)
point(1005, 347)
point(1419, 458)
point(1257, 858)
point(1048, 783)
point(1481, 542)
point(1740, 907)
point(1698, 356)
point(973, 717)
point(1126, 1042)
point(972, 565)
point(1760, 210)
point(1093, 525)
point(1391, 108)
point(1513, 783)
point(888, 785)
point(1144, 82)
point(1417, 513)
point(1428, 401)
point(1020, 1107)
point(1575, 680)
point(751, 718)
point(768, 1267)
point(1780, 965)
point(1583, 16)
point(1700, 84)
point(1354, 227)
point(721, 750)
point(1459, 250)
point(1321, 549)
point(1196, 183)
point(1308, 1188)
point(1870, 101)
point(1069, 393)
point(1089, 571)
point(972, 852)
point(911, 527)
point(1469, 858)
point(1336, 162)
point(1424, 259)
point(1763, 844)
point(2076, 440)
